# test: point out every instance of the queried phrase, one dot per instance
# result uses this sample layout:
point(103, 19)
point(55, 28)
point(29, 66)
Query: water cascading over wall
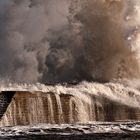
point(85, 103)
point(73, 43)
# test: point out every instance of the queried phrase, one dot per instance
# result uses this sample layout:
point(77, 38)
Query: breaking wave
point(69, 41)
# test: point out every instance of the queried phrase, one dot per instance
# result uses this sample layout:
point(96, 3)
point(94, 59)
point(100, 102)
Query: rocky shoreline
point(90, 131)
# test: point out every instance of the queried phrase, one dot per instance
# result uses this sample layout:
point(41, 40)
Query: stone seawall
point(27, 108)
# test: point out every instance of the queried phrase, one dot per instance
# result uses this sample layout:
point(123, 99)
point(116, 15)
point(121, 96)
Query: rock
point(90, 131)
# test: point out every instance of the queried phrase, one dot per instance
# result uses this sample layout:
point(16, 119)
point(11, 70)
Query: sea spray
point(69, 41)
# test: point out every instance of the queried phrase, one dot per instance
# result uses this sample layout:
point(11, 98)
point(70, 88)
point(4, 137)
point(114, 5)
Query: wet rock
point(97, 131)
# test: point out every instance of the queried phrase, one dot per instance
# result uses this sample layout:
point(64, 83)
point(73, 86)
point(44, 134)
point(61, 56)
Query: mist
point(51, 41)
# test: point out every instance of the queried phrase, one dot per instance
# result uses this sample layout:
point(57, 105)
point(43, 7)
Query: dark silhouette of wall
point(5, 99)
